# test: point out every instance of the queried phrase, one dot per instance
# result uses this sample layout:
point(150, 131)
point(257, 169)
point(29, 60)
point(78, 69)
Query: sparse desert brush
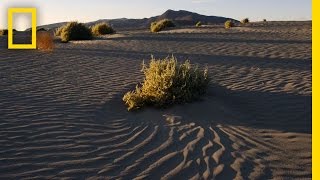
point(199, 24)
point(264, 20)
point(3, 32)
point(75, 31)
point(101, 29)
point(245, 21)
point(161, 25)
point(228, 24)
point(168, 82)
point(45, 40)
point(58, 31)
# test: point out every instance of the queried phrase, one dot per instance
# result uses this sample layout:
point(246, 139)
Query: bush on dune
point(74, 31)
point(168, 82)
point(101, 29)
point(245, 21)
point(45, 40)
point(58, 31)
point(228, 24)
point(199, 24)
point(161, 25)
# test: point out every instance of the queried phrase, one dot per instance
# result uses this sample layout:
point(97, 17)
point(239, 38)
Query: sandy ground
point(62, 117)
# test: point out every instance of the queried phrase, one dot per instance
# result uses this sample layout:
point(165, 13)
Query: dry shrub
point(228, 24)
point(161, 25)
point(58, 31)
point(168, 82)
point(101, 29)
point(74, 31)
point(245, 21)
point(45, 41)
point(199, 24)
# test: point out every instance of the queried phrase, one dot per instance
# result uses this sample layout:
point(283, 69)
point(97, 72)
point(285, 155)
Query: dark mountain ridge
point(181, 18)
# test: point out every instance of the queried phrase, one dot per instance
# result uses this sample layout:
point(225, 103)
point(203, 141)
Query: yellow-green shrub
point(168, 82)
point(74, 31)
point(245, 21)
point(161, 25)
point(58, 31)
point(228, 24)
point(101, 29)
point(199, 24)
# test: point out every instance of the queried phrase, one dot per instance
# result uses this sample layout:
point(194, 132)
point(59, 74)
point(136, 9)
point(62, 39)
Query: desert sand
point(62, 115)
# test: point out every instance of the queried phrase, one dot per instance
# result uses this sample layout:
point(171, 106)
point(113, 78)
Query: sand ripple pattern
point(61, 114)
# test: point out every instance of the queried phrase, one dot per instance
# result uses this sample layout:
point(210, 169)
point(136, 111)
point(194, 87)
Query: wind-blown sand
point(61, 113)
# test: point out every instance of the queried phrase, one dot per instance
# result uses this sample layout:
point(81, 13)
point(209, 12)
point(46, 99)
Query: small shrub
point(3, 32)
point(161, 25)
point(101, 29)
point(167, 82)
point(58, 31)
point(228, 24)
point(75, 31)
point(245, 21)
point(264, 20)
point(45, 40)
point(199, 24)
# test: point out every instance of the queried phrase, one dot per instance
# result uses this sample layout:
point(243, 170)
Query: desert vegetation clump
point(74, 31)
point(264, 20)
point(245, 21)
point(168, 82)
point(161, 25)
point(45, 40)
point(198, 24)
point(228, 24)
point(101, 29)
point(58, 31)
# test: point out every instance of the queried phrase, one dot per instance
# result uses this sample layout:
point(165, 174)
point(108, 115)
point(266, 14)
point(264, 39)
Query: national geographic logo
point(33, 12)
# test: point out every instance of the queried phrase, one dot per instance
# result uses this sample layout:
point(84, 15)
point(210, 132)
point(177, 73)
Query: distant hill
point(181, 18)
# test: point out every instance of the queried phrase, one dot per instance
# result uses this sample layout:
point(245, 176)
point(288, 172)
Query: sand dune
point(62, 117)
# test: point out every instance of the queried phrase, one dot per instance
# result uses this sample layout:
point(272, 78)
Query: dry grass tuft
point(58, 31)
point(161, 25)
point(74, 31)
point(245, 21)
point(228, 24)
point(45, 41)
point(101, 29)
point(168, 82)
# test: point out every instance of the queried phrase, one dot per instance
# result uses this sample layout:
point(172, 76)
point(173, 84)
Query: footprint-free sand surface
point(62, 115)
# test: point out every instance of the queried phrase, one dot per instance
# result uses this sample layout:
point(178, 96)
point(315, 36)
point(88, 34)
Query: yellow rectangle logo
point(33, 12)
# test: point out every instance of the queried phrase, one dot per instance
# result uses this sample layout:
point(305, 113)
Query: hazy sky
point(51, 11)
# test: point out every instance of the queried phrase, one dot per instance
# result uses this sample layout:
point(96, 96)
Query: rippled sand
point(61, 113)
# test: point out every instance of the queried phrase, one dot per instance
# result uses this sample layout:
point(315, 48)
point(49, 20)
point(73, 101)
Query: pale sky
point(52, 11)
